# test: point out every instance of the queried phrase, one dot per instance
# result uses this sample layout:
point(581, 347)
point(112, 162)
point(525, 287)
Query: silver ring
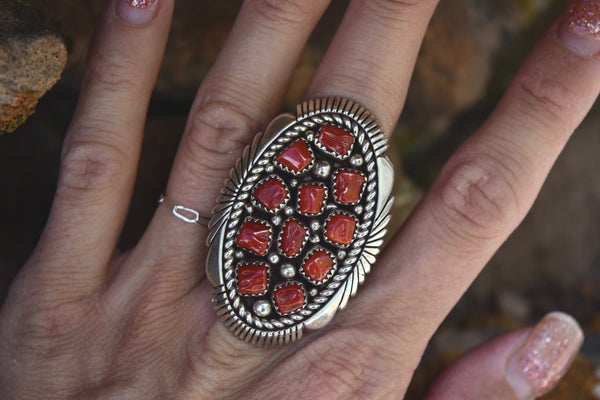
point(185, 214)
point(300, 221)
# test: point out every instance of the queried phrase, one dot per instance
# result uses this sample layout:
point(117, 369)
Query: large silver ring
point(300, 221)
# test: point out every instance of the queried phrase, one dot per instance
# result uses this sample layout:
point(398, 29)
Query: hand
point(84, 321)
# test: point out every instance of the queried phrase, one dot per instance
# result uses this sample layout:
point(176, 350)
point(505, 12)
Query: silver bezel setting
point(334, 185)
point(251, 219)
point(255, 202)
point(280, 236)
point(306, 169)
point(289, 283)
point(323, 203)
point(329, 274)
point(356, 228)
point(330, 152)
point(248, 264)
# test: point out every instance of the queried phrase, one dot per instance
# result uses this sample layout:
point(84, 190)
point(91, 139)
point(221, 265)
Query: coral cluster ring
point(300, 221)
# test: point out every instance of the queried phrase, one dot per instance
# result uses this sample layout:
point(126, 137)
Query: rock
point(31, 61)
point(29, 66)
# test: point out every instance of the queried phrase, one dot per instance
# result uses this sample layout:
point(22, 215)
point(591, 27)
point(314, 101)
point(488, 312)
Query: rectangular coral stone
point(348, 186)
point(318, 265)
point(289, 298)
point(311, 199)
point(335, 139)
point(292, 238)
point(252, 279)
point(271, 193)
point(254, 236)
point(296, 157)
point(340, 229)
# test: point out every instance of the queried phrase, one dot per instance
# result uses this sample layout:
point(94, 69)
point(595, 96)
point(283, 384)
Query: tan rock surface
point(29, 67)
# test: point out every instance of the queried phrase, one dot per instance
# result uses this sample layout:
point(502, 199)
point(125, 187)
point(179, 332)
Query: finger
point(101, 149)
point(373, 54)
point(486, 187)
point(238, 96)
point(520, 365)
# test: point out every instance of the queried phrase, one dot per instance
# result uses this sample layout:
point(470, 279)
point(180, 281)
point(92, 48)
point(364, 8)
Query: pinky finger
point(520, 365)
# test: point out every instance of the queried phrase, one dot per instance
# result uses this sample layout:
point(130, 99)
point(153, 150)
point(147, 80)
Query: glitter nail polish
point(545, 356)
point(142, 3)
point(580, 29)
point(584, 18)
point(137, 12)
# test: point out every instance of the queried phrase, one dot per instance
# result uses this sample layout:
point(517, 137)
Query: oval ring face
point(300, 221)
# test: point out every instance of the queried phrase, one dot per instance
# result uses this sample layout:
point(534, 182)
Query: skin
point(83, 320)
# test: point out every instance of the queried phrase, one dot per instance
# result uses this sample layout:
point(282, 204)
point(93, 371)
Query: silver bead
point(313, 292)
point(249, 209)
point(293, 183)
point(322, 169)
point(358, 209)
point(276, 220)
point(315, 225)
point(273, 258)
point(262, 308)
point(356, 160)
point(288, 271)
point(310, 135)
point(341, 254)
point(315, 239)
point(289, 211)
point(269, 168)
point(239, 254)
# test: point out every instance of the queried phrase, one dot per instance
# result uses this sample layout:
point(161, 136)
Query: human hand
point(82, 321)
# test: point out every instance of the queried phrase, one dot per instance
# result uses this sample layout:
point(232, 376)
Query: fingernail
point(136, 12)
point(580, 30)
point(545, 356)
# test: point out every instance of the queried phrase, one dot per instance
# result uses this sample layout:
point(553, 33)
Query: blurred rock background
point(471, 50)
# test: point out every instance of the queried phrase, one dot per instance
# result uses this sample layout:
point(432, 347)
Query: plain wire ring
point(185, 214)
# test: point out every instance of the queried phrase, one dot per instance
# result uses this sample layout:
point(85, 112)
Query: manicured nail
point(136, 12)
point(545, 356)
point(580, 30)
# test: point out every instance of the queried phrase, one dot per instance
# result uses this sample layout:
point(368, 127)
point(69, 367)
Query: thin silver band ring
point(185, 214)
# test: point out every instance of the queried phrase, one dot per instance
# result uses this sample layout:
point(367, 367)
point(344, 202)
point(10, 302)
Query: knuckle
point(91, 165)
point(477, 199)
point(218, 131)
point(546, 101)
point(46, 331)
point(337, 368)
point(284, 11)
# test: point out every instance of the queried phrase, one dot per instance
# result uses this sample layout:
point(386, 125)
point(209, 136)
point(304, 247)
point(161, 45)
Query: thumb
point(520, 365)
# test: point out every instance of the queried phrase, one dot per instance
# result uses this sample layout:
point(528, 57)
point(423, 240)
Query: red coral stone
point(340, 229)
point(255, 237)
point(289, 298)
point(335, 139)
point(292, 238)
point(252, 279)
point(318, 265)
point(271, 193)
point(311, 199)
point(348, 186)
point(296, 157)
